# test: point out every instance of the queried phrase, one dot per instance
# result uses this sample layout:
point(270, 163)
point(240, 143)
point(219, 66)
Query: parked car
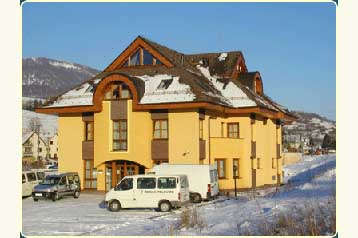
point(29, 180)
point(58, 185)
point(203, 179)
point(149, 191)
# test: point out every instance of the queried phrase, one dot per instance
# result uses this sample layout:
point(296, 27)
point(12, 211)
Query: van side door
point(146, 192)
point(125, 193)
point(168, 188)
point(62, 186)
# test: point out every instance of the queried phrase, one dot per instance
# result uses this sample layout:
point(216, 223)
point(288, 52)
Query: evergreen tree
point(327, 142)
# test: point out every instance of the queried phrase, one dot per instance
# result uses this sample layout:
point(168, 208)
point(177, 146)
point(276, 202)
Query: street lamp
point(234, 168)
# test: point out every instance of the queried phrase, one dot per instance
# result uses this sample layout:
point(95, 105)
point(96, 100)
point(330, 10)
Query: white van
point(149, 191)
point(203, 179)
point(29, 180)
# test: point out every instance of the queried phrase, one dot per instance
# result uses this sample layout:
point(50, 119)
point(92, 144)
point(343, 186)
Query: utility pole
point(38, 141)
point(234, 168)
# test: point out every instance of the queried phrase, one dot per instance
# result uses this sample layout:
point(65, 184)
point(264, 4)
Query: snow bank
point(223, 217)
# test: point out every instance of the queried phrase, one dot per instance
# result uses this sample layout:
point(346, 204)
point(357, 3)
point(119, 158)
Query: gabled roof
point(204, 77)
point(28, 135)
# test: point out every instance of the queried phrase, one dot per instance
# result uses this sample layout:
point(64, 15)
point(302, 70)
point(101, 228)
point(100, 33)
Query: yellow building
point(153, 105)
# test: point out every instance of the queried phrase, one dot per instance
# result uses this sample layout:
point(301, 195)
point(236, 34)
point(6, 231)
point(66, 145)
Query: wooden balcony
point(88, 150)
point(278, 150)
point(202, 152)
point(253, 149)
point(160, 149)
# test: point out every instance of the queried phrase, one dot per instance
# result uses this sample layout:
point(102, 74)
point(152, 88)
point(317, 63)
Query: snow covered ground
point(310, 182)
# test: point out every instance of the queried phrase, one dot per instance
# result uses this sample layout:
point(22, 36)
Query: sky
point(292, 45)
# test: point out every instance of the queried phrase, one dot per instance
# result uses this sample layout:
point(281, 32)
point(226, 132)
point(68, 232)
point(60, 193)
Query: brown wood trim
point(87, 117)
point(119, 110)
point(159, 115)
point(138, 42)
point(114, 174)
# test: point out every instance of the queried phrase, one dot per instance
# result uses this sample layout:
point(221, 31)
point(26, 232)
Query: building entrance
point(117, 169)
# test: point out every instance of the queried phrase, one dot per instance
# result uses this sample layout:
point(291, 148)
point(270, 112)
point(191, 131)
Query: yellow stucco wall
point(266, 137)
point(229, 149)
point(183, 137)
point(183, 144)
point(70, 137)
point(139, 139)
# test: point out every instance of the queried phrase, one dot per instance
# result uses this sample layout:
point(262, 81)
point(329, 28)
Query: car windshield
point(51, 180)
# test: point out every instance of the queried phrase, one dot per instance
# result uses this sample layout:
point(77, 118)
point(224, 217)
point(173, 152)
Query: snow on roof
point(26, 136)
point(164, 88)
point(79, 96)
point(222, 56)
point(232, 94)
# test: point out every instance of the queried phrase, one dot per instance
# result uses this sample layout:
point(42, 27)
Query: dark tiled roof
point(185, 67)
point(247, 79)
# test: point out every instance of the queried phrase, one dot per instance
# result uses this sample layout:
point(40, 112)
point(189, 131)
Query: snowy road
point(311, 181)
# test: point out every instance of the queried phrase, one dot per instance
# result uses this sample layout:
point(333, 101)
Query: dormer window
point(165, 83)
point(205, 62)
point(117, 91)
point(141, 57)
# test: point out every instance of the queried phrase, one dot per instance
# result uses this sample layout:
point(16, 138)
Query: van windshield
point(50, 180)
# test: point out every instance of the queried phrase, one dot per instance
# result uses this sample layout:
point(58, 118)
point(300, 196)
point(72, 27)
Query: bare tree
point(35, 124)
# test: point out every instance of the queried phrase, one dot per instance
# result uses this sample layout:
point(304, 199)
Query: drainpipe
point(209, 139)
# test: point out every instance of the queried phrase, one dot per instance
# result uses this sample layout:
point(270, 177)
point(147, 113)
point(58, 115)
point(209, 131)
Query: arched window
point(117, 91)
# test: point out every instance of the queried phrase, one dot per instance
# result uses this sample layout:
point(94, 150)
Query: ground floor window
point(90, 175)
point(236, 165)
point(220, 163)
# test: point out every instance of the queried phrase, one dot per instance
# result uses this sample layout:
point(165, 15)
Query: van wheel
point(55, 197)
point(195, 198)
point(165, 206)
point(36, 200)
point(114, 206)
point(76, 194)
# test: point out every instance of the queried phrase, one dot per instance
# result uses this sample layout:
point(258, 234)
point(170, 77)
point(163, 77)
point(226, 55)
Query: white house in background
point(53, 147)
point(33, 147)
